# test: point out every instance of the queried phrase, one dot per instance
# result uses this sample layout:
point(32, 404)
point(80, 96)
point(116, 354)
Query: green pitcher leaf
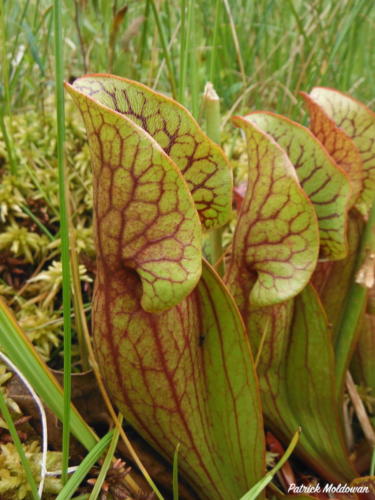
point(358, 122)
point(323, 181)
point(332, 279)
point(364, 359)
point(340, 146)
point(144, 214)
point(202, 162)
point(184, 376)
point(276, 241)
point(175, 357)
point(297, 380)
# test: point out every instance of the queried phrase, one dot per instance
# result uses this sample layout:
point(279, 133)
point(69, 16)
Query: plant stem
point(59, 80)
point(17, 442)
point(355, 305)
point(212, 111)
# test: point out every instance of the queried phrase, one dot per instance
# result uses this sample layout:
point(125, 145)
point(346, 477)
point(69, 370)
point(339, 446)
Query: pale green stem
point(211, 106)
point(355, 305)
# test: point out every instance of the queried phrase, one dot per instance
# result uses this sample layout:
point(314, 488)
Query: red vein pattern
point(175, 356)
point(184, 376)
point(339, 145)
point(358, 122)
point(326, 184)
point(203, 164)
point(145, 216)
point(276, 241)
point(296, 376)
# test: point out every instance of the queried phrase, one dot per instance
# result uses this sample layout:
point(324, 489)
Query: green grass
point(262, 53)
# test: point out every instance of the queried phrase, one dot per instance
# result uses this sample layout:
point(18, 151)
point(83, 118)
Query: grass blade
point(13, 432)
point(107, 462)
point(84, 467)
point(175, 473)
point(253, 493)
point(166, 52)
point(18, 348)
point(59, 82)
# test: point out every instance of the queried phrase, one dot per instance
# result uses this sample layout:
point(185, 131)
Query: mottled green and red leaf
point(323, 181)
point(339, 145)
point(296, 372)
point(358, 122)
point(170, 343)
point(202, 162)
point(276, 241)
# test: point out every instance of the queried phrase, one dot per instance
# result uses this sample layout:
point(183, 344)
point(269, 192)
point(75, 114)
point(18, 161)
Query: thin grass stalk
point(19, 25)
point(17, 443)
point(235, 42)
point(40, 224)
point(144, 33)
point(166, 52)
point(215, 35)
point(4, 59)
point(168, 28)
point(64, 232)
point(299, 23)
point(176, 495)
point(183, 55)
point(107, 461)
point(77, 22)
point(6, 111)
point(191, 35)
